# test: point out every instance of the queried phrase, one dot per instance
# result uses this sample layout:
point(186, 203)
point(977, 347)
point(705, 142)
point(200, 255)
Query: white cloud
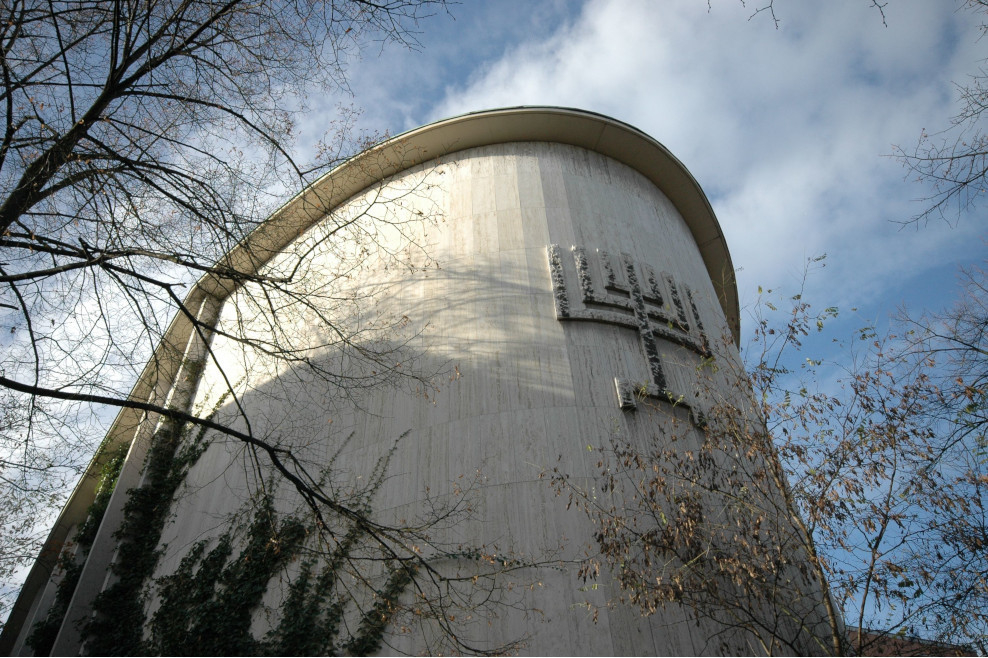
point(785, 129)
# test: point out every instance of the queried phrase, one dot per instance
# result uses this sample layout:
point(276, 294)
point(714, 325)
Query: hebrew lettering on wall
point(613, 289)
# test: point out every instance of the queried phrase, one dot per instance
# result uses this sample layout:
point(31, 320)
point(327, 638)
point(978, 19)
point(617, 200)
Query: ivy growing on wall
point(270, 584)
point(44, 632)
point(208, 605)
point(313, 609)
point(118, 622)
point(367, 639)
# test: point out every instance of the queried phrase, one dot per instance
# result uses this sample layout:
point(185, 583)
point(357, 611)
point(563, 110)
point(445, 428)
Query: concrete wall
point(498, 311)
point(457, 280)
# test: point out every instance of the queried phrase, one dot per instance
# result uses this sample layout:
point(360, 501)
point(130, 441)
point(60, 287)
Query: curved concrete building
point(443, 321)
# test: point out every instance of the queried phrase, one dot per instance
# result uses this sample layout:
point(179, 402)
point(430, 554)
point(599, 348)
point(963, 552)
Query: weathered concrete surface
point(501, 305)
point(465, 274)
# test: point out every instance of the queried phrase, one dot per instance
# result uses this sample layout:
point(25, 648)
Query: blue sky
point(788, 129)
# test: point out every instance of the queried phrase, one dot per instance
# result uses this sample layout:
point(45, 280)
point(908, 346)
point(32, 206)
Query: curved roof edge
point(594, 132)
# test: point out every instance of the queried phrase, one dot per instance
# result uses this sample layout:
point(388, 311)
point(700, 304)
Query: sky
point(788, 127)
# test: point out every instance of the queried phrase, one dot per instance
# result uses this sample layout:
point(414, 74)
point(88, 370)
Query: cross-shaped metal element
point(636, 302)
